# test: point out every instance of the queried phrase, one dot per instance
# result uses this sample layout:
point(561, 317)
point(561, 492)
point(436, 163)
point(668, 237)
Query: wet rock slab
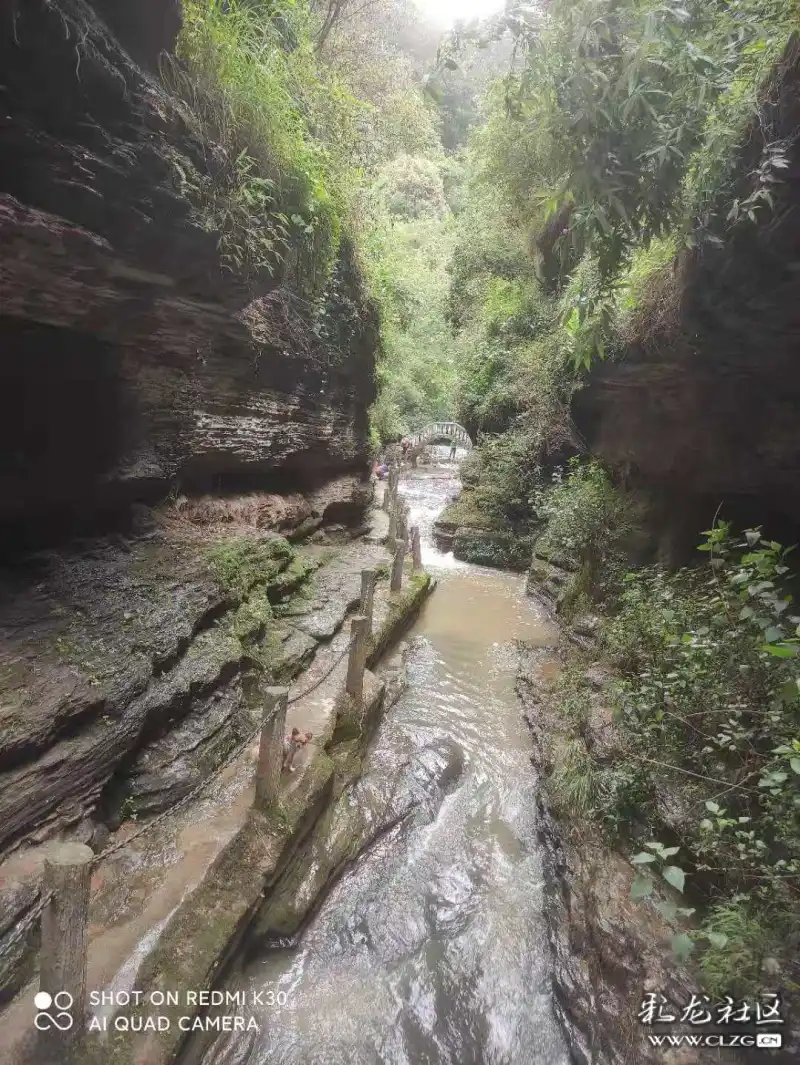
point(79, 658)
point(211, 925)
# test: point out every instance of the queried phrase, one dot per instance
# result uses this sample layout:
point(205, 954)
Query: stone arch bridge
point(439, 431)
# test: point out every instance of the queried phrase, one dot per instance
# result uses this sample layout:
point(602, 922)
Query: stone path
point(137, 889)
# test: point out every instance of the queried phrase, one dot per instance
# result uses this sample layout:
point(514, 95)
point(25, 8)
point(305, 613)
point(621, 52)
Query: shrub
point(709, 692)
point(507, 479)
point(410, 187)
point(587, 521)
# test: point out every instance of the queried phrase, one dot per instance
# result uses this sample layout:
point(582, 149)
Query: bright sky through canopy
point(446, 12)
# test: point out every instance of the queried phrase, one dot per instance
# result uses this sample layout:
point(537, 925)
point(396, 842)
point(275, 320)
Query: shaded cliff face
point(703, 409)
point(134, 639)
point(131, 362)
point(145, 28)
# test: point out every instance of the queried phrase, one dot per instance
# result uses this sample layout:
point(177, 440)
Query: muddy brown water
point(431, 949)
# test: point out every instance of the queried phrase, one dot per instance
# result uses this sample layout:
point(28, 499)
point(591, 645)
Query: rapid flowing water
point(431, 949)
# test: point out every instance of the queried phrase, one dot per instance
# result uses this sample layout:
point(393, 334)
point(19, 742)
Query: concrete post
point(397, 567)
point(391, 478)
point(416, 548)
point(393, 519)
point(357, 660)
point(368, 577)
point(64, 949)
point(270, 752)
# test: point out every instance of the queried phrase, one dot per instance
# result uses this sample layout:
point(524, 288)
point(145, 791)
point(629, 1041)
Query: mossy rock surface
point(464, 511)
point(403, 608)
point(502, 550)
point(242, 562)
point(207, 929)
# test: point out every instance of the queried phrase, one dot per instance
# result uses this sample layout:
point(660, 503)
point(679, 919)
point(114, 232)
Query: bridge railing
point(440, 429)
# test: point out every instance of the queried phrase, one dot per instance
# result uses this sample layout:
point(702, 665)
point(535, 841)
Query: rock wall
point(608, 951)
point(702, 408)
point(132, 362)
point(160, 420)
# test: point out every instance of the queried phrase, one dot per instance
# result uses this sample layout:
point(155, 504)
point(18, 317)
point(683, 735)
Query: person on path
point(453, 448)
point(291, 745)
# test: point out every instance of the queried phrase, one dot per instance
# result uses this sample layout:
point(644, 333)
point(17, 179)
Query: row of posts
point(68, 866)
point(270, 757)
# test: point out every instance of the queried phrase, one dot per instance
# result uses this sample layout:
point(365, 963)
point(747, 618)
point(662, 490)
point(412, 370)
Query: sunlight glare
point(447, 12)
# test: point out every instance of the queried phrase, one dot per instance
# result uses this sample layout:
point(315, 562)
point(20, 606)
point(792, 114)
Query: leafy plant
point(709, 693)
point(587, 520)
point(573, 779)
point(129, 810)
point(658, 856)
point(276, 147)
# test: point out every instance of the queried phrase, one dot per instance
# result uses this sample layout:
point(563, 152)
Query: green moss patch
point(465, 511)
point(403, 608)
point(503, 550)
point(239, 564)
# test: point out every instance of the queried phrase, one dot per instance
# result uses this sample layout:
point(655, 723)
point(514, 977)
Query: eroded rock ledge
point(164, 424)
point(132, 360)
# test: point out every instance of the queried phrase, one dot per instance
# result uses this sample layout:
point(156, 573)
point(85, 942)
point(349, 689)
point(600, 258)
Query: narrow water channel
point(431, 949)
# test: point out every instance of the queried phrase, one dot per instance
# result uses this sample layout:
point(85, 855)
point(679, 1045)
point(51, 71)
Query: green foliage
point(709, 682)
point(467, 64)
point(620, 127)
point(656, 857)
point(406, 265)
point(505, 476)
point(239, 564)
point(512, 351)
point(234, 204)
point(573, 782)
point(741, 942)
point(280, 137)
point(486, 246)
point(629, 97)
point(587, 520)
point(410, 187)
point(622, 136)
point(379, 50)
point(128, 811)
point(646, 263)
point(313, 123)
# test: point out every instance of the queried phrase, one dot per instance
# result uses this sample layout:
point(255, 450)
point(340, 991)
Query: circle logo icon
point(61, 1003)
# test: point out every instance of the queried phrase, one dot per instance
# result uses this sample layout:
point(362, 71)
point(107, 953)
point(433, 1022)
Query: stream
point(431, 949)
